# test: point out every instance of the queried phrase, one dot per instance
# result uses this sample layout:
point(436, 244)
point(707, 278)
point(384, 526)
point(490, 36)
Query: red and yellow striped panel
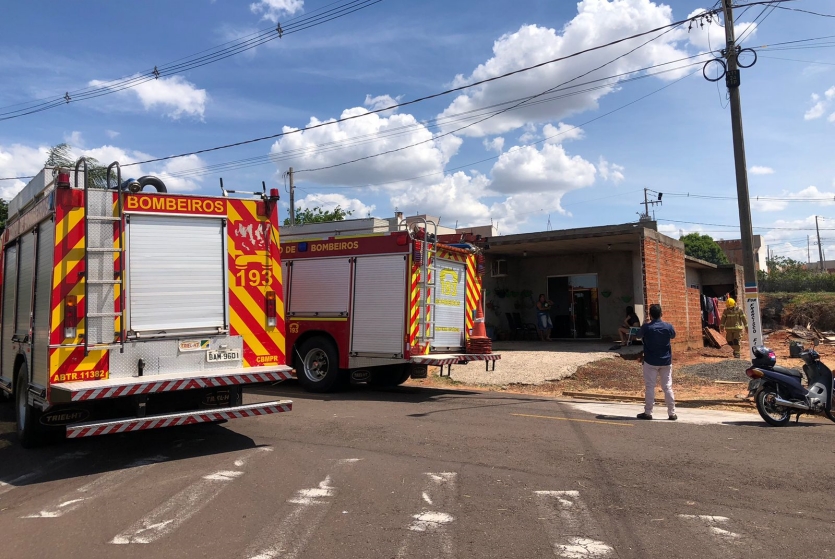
point(70, 363)
point(473, 292)
point(255, 267)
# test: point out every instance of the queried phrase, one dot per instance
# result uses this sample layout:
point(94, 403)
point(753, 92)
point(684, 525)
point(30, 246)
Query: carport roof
point(586, 239)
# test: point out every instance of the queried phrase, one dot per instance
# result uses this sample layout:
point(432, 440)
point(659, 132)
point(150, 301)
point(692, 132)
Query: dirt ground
point(622, 377)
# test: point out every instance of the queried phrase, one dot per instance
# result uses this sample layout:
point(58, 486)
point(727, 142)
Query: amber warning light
point(271, 314)
point(70, 316)
point(63, 180)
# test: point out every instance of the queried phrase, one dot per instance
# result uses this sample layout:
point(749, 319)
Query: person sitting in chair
point(631, 321)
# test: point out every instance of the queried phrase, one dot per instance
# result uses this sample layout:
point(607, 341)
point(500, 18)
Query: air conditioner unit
point(498, 269)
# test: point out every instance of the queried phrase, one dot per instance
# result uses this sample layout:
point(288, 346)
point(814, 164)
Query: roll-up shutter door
point(320, 287)
point(450, 307)
point(9, 285)
point(24, 284)
point(176, 273)
point(379, 312)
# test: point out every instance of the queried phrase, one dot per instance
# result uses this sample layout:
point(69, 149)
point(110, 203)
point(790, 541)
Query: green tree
point(704, 248)
point(4, 214)
point(62, 156)
point(318, 215)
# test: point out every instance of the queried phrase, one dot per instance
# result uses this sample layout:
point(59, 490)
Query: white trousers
point(651, 374)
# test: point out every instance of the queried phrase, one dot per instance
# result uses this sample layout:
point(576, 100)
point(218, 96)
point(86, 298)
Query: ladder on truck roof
point(103, 248)
point(426, 283)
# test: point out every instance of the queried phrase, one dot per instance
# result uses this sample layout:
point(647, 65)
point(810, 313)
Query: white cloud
point(74, 139)
point(369, 135)
point(381, 102)
point(111, 134)
point(549, 170)
point(332, 200)
point(561, 133)
point(610, 171)
point(759, 170)
point(597, 21)
point(496, 144)
point(173, 94)
point(820, 105)
point(455, 198)
point(272, 10)
point(17, 160)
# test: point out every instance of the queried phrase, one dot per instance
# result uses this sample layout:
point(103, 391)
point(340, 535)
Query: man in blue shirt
point(658, 359)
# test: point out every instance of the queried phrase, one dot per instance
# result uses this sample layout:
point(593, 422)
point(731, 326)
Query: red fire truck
point(365, 305)
point(125, 310)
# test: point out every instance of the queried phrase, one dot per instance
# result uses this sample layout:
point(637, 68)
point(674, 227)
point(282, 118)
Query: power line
point(805, 11)
point(442, 93)
point(215, 54)
point(526, 99)
point(798, 60)
point(737, 226)
point(755, 198)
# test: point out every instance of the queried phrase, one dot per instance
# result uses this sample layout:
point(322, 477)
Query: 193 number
point(254, 278)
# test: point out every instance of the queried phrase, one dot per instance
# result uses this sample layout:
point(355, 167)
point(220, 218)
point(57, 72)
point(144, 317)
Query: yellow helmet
point(731, 302)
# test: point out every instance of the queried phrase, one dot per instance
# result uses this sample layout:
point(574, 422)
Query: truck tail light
point(271, 314)
point(70, 316)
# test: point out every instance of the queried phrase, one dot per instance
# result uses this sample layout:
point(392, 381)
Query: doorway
point(576, 313)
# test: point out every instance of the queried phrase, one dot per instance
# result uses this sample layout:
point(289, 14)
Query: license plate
point(230, 355)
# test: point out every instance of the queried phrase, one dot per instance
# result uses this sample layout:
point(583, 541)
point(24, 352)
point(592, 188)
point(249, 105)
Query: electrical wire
point(502, 111)
point(805, 11)
point(798, 60)
point(737, 226)
point(191, 62)
point(441, 93)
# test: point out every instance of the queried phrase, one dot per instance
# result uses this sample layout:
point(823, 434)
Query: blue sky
point(676, 140)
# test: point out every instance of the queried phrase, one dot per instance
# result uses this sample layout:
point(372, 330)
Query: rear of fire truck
point(125, 310)
point(375, 303)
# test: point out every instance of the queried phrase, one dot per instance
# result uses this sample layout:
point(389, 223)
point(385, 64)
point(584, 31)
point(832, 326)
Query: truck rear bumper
point(441, 359)
point(89, 390)
point(95, 428)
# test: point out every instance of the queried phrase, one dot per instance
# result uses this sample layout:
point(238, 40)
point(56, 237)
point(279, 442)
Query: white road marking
point(89, 491)
point(693, 416)
point(428, 531)
point(181, 507)
point(712, 523)
point(565, 517)
point(290, 536)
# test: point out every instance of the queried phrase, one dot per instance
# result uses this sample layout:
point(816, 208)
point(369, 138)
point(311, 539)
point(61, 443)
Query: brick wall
point(663, 270)
point(694, 303)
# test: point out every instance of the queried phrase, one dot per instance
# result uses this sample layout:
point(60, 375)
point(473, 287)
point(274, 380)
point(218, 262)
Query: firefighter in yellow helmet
point(733, 322)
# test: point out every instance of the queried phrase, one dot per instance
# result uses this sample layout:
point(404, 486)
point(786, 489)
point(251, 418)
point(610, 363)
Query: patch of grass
point(790, 309)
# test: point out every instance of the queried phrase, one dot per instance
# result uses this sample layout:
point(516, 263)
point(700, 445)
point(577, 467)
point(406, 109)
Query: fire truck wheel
point(386, 377)
point(317, 365)
point(29, 430)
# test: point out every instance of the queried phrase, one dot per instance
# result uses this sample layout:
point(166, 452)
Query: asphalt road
point(420, 473)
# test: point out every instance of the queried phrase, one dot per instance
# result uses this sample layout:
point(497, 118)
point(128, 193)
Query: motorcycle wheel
point(774, 415)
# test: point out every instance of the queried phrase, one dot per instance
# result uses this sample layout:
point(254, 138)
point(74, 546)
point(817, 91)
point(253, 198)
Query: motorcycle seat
point(786, 371)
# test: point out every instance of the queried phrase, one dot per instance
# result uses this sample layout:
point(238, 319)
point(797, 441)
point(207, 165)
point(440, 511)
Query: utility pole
point(292, 198)
point(808, 251)
point(820, 246)
point(732, 80)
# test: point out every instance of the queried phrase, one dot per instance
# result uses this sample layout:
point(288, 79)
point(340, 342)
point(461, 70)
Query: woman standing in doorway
point(543, 317)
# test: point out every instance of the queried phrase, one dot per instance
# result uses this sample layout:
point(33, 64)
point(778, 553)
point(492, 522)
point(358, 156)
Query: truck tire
point(29, 430)
point(390, 376)
point(317, 365)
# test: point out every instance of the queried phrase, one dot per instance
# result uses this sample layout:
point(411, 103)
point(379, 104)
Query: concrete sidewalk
point(620, 411)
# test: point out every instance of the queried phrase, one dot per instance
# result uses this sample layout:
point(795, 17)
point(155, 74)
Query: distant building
point(828, 265)
point(733, 250)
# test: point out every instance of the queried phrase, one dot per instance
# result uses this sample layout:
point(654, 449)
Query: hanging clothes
point(716, 317)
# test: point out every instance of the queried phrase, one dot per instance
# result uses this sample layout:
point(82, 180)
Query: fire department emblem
point(294, 328)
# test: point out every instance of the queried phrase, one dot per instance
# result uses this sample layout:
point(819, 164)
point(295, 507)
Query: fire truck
point(364, 305)
point(123, 310)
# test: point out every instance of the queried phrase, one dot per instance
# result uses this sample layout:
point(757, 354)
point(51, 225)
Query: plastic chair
point(528, 328)
point(633, 334)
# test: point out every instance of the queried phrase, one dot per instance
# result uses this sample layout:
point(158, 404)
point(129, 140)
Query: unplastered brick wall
point(663, 270)
point(694, 303)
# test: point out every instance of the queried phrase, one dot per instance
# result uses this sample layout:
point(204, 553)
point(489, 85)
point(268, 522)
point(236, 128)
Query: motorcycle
point(780, 393)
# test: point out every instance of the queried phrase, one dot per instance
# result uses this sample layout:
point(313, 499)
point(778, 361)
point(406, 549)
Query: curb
point(617, 397)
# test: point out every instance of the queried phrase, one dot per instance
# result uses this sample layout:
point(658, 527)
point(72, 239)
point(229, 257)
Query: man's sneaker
point(644, 416)
point(673, 417)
